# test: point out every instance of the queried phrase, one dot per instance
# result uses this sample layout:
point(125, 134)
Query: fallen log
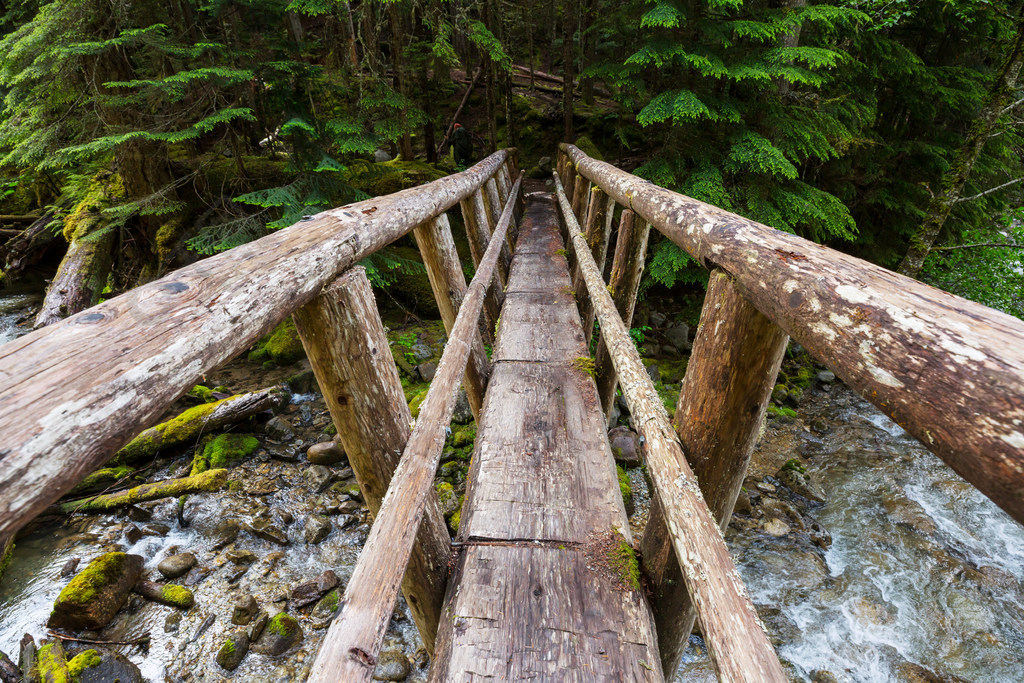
point(191, 424)
point(211, 480)
point(26, 249)
point(5, 218)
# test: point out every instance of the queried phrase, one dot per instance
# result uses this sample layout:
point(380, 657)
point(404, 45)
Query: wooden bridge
point(540, 582)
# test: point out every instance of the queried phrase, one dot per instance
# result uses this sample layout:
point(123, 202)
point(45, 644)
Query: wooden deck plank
point(527, 600)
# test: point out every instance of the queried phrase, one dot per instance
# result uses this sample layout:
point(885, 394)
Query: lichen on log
point(211, 480)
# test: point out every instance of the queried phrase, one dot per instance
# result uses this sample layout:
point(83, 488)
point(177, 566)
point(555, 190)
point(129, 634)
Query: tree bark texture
point(350, 648)
point(73, 392)
point(949, 371)
point(348, 349)
point(624, 283)
point(736, 639)
point(598, 226)
point(729, 379)
point(81, 277)
point(210, 480)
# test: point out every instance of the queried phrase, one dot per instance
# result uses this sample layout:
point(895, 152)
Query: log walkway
point(531, 597)
point(541, 581)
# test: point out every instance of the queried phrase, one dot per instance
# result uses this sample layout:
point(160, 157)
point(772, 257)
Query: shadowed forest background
point(136, 137)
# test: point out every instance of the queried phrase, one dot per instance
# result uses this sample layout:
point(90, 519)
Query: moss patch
point(88, 583)
point(82, 661)
point(625, 487)
point(283, 625)
point(282, 346)
point(586, 364)
point(623, 561)
point(177, 596)
point(224, 451)
point(52, 665)
point(5, 559)
point(330, 601)
point(201, 393)
point(417, 402)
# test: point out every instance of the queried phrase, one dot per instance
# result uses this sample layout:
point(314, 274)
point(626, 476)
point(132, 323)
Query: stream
point(921, 568)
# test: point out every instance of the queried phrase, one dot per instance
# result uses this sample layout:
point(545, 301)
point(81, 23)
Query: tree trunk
point(82, 274)
point(568, 33)
point(790, 39)
point(398, 62)
point(954, 179)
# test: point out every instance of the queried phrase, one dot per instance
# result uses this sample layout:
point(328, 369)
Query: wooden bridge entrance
point(540, 582)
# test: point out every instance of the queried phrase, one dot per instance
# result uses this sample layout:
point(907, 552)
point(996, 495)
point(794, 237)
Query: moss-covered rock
point(281, 634)
point(52, 664)
point(233, 650)
point(224, 450)
point(95, 594)
point(588, 147)
point(282, 346)
point(625, 488)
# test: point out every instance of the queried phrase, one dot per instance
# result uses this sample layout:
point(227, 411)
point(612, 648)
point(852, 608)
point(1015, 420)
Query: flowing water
point(922, 568)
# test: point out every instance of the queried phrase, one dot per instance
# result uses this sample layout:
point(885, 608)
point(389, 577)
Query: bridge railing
point(949, 371)
point(73, 393)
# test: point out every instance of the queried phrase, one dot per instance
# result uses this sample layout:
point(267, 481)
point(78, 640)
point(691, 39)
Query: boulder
point(325, 453)
point(463, 413)
point(103, 666)
point(625, 445)
point(176, 565)
point(281, 634)
point(168, 594)
point(678, 335)
point(233, 650)
point(427, 371)
point(94, 596)
point(309, 592)
point(279, 429)
point(263, 528)
point(544, 164)
point(392, 665)
point(244, 610)
point(317, 529)
point(317, 478)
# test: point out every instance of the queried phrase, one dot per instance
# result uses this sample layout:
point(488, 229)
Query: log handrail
point(947, 370)
point(76, 391)
point(736, 639)
point(350, 648)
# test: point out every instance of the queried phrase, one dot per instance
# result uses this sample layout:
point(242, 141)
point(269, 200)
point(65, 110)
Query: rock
point(743, 505)
point(822, 676)
point(800, 484)
point(544, 164)
point(69, 567)
point(625, 445)
point(244, 610)
point(281, 634)
point(463, 413)
point(234, 649)
point(225, 533)
point(263, 528)
point(327, 606)
point(775, 527)
point(317, 478)
point(678, 335)
point(448, 499)
point(654, 372)
point(236, 572)
point(908, 513)
point(103, 666)
point(94, 596)
point(279, 429)
point(380, 156)
point(779, 393)
point(309, 592)
point(240, 556)
point(301, 382)
point(392, 665)
point(427, 371)
point(9, 672)
point(825, 377)
point(168, 594)
point(256, 626)
point(196, 575)
point(421, 350)
point(317, 529)
point(132, 534)
point(176, 565)
point(657, 319)
point(172, 622)
point(325, 453)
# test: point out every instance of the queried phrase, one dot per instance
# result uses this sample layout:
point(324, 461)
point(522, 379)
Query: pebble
point(392, 665)
point(244, 610)
point(325, 453)
point(317, 529)
point(176, 565)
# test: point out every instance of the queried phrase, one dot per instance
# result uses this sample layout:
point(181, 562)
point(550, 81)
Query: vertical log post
point(348, 349)
point(580, 197)
point(627, 268)
point(503, 184)
point(444, 271)
point(478, 233)
point(735, 360)
point(598, 230)
point(497, 205)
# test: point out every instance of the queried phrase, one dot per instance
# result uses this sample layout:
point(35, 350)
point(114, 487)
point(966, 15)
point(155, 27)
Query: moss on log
point(189, 425)
point(211, 480)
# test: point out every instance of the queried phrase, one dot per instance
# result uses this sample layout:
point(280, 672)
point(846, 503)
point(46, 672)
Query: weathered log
point(580, 198)
point(600, 211)
point(949, 371)
point(729, 379)
point(478, 233)
point(349, 651)
point(27, 659)
point(210, 480)
point(437, 247)
point(624, 283)
point(8, 218)
point(18, 253)
point(75, 391)
point(737, 641)
point(497, 204)
point(348, 349)
point(187, 427)
point(82, 274)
